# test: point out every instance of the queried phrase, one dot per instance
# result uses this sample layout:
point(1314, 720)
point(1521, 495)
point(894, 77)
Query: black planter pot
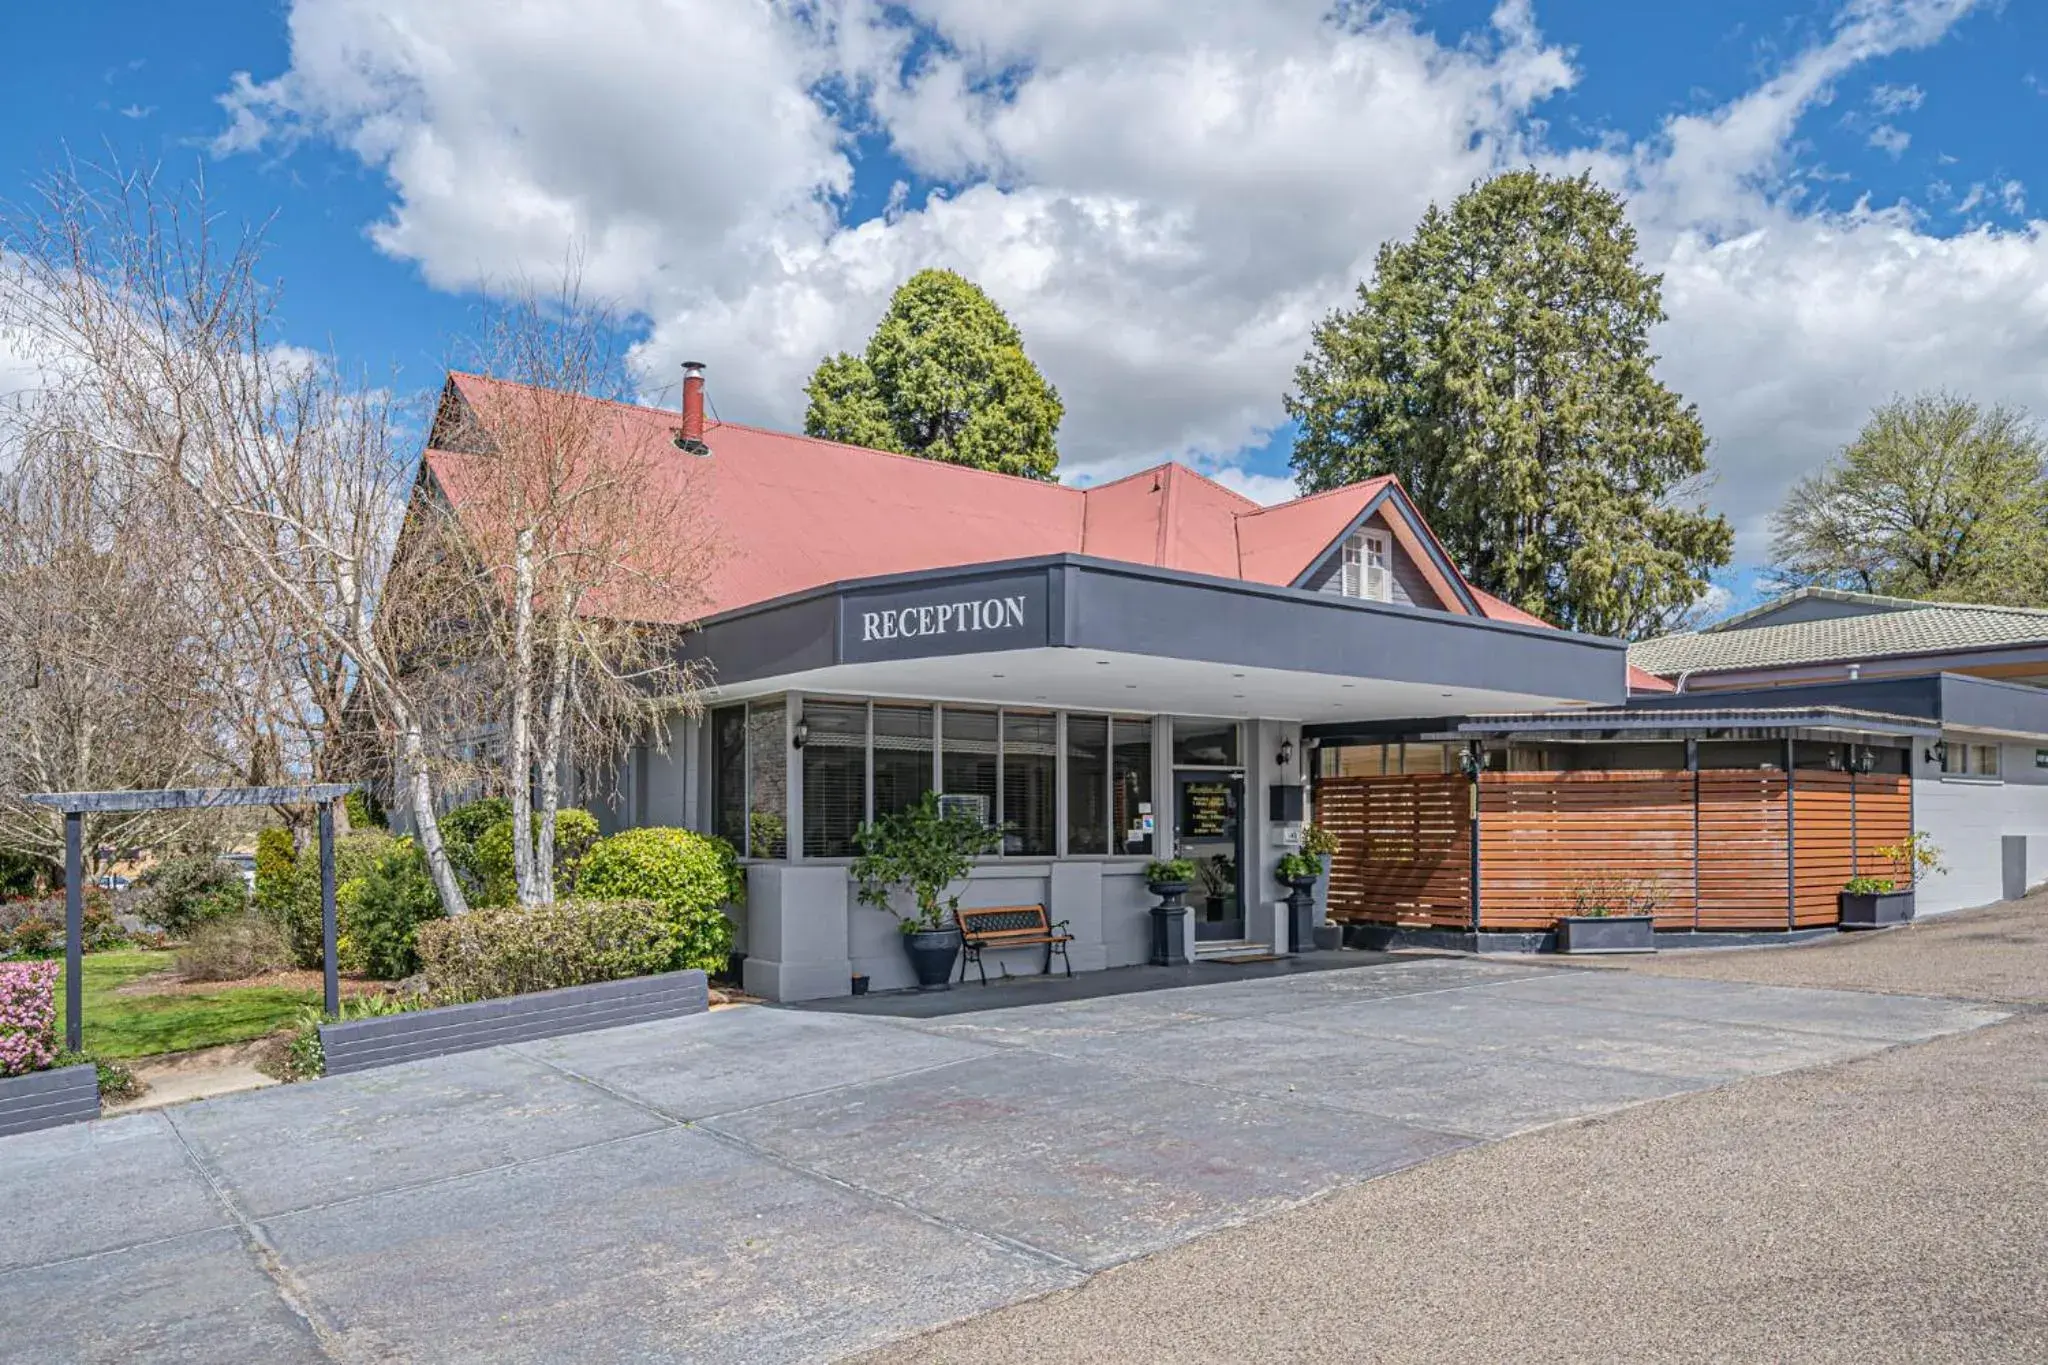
point(1301, 913)
point(1879, 910)
point(1607, 934)
point(932, 955)
point(1329, 937)
point(1169, 924)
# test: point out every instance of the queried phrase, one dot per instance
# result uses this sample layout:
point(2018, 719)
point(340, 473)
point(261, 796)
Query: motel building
point(1160, 667)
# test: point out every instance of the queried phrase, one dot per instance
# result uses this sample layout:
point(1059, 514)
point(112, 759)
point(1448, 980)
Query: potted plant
point(1168, 879)
point(1299, 873)
point(922, 850)
point(1880, 902)
point(1611, 914)
point(1216, 876)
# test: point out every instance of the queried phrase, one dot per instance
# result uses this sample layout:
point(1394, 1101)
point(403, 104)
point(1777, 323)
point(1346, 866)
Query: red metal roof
point(793, 512)
point(1497, 610)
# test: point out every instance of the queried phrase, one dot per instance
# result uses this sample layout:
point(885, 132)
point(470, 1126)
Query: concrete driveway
point(763, 1184)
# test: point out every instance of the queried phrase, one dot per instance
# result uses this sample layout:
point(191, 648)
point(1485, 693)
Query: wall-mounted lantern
point(800, 734)
point(1286, 755)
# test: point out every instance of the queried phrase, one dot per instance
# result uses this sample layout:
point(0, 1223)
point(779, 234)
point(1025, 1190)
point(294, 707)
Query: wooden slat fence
point(1884, 815)
point(1543, 834)
point(1743, 872)
point(1823, 844)
point(1405, 850)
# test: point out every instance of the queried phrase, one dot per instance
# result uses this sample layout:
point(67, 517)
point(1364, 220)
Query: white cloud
point(1165, 194)
point(1889, 140)
point(1888, 100)
point(1264, 489)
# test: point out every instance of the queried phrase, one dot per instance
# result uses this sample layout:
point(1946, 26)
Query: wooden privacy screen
point(1743, 855)
point(1404, 849)
point(1729, 848)
point(1823, 845)
point(1542, 834)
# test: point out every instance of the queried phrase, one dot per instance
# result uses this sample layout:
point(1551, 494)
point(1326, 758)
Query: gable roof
point(1866, 601)
point(1902, 627)
point(795, 512)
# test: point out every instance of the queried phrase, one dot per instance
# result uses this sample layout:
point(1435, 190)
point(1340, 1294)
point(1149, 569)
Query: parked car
point(244, 863)
point(111, 881)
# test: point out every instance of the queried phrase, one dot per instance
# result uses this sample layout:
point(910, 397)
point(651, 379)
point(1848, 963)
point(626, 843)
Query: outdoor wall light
point(1866, 760)
point(1473, 762)
point(799, 735)
point(1286, 754)
point(1937, 753)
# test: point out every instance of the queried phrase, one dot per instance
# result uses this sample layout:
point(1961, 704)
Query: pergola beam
point(76, 805)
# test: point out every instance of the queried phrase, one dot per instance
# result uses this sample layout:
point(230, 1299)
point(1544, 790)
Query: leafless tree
point(98, 678)
point(157, 335)
point(585, 520)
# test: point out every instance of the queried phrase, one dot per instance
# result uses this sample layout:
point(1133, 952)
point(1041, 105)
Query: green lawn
point(129, 1026)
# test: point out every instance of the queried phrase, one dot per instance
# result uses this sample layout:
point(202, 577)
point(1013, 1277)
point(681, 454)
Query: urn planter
point(932, 955)
point(1584, 934)
point(1876, 910)
point(1301, 912)
point(1169, 924)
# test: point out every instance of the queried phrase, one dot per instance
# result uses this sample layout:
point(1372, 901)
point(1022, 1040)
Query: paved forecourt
point(763, 1184)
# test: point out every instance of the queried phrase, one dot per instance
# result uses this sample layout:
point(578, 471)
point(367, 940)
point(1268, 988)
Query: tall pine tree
point(944, 376)
point(1498, 362)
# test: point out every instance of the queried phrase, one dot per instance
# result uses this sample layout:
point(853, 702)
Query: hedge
point(510, 950)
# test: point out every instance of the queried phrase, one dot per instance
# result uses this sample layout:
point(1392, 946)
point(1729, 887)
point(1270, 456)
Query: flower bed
point(31, 1095)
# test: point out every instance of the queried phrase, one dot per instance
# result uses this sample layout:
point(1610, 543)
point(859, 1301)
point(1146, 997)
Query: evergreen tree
point(1498, 362)
point(944, 376)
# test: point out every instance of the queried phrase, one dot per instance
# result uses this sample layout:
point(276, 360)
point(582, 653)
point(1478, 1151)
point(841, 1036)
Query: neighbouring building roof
point(1610, 722)
point(1885, 627)
point(1639, 680)
point(792, 513)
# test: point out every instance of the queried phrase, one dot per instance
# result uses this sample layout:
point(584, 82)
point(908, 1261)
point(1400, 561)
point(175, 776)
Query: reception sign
point(969, 617)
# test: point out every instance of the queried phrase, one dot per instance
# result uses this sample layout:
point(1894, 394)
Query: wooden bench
point(1011, 926)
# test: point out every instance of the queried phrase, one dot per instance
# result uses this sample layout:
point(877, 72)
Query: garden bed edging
point(45, 1099)
point(359, 1044)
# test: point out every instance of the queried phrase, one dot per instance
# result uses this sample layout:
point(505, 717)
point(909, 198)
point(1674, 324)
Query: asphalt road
point(1888, 1208)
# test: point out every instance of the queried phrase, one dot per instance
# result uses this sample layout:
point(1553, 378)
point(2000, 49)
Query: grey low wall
point(357, 1044)
point(44, 1099)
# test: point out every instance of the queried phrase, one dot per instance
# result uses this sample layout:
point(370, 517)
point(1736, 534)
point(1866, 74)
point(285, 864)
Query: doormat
point(1243, 958)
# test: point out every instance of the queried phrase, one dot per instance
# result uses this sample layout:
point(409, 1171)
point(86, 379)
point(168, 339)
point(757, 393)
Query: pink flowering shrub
point(28, 1016)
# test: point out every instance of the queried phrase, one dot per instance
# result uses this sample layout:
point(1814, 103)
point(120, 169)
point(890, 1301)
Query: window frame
point(1366, 551)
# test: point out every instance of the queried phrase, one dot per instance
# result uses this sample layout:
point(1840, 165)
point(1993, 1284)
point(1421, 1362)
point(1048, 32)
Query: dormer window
point(1366, 570)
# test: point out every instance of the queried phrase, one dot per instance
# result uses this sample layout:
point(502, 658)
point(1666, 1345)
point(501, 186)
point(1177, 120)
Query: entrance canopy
point(1072, 631)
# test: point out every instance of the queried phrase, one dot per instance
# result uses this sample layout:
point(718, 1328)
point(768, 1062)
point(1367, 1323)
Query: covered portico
point(1104, 713)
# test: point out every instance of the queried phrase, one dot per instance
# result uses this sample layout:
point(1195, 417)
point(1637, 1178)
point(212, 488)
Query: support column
point(329, 931)
point(74, 931)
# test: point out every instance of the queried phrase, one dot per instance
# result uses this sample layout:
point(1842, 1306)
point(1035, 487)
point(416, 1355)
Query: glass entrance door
point(1208, 827)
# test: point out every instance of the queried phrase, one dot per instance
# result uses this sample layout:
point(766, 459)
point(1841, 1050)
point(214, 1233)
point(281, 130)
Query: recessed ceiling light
point(1130, 684)
point(1237, 675)
point(1000, 675)
point(1102, 663)
point(1350, 684)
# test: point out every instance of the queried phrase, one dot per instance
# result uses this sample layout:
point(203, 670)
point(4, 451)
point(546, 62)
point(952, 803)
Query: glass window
point(1130, 800)
point(729, 775)
point(903, 756)
point(967, 759)
point(835, 757)
point(1742, 753)
point(1984, 760)
point(767, 781)
point(1367, 571)
point(1031, 756)
point(1205, 744)
point(1087, 784)
point(1425, 758)
point(1969, 760)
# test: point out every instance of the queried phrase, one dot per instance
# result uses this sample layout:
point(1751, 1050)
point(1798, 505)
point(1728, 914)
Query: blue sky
point(754, 185)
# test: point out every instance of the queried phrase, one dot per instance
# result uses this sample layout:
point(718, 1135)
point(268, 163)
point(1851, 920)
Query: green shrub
point(181, 893)
point(387, 906)
point(233, 948)
point(511, 950)
point(277, 859)
point(364, 811)
point(304, 1057)
point(692, 876)
point(355, 853)
point(491, 858)
point(460, 830)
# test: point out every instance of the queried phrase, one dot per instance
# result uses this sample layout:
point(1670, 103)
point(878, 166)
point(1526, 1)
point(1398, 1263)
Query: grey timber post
point(331, 980)
point(74, 931)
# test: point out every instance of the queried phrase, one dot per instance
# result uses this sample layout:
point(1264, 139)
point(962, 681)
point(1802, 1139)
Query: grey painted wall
point(1969, 818)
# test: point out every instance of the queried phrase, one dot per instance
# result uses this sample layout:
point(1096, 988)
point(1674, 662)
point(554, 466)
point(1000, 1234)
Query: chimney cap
point(695, 366)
